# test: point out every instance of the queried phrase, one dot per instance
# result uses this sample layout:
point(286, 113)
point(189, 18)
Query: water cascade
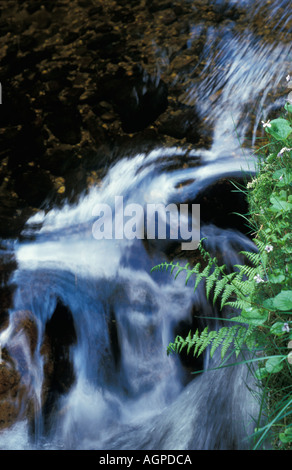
point(106, 318)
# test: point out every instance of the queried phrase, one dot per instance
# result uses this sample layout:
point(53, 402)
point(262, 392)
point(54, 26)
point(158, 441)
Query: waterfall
point(124, 383)
point(106, 318)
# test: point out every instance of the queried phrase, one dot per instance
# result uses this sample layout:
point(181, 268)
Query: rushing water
point(126, 392)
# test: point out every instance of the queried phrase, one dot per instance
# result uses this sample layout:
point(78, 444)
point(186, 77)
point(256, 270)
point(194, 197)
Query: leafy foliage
point(261, 289)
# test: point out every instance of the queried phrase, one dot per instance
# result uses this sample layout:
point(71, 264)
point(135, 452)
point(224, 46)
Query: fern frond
point(222, 332)
point(247, 271)
point(239, 304)
point(212, 279)
point(204, 274)
point(224, 338)
point(229, 338)
point(254, 258)
point(228, 292)
point(261, 245)
point(195, 270)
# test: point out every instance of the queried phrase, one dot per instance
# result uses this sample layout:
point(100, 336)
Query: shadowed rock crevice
point(59, 336)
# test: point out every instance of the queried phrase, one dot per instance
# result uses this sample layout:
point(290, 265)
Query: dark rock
point(181, 124)
point(32, 7)
point(4, 28)
point(42, 18)
point(4, 320)
point(64, 122)
point(26, 62)
point(6, 295)
point(155, 5)
point(70, 37)
point(27, 146)
point(102, 28)
point(92, 123)
point(15, 108)
point(220, 205)
point(124, 15)
point(138, 99)
point(33, 186)
point(27, 43)
point(95, 11)
point(59, 73)
point(132, 3)
point(59, 335)
point(102, 40)
point(59, 160)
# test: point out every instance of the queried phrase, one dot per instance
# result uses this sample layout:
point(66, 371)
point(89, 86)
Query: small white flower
point(281, 177)
point(266, 124)
point(269, 248)
point(286, 327)
point(288, 78)
point(258, 279)
point(284, 149)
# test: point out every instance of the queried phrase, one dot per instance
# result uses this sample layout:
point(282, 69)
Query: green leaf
point(286, 436)
point(280, 129)
point(254, 316)
point(286, 177)
point(269, 304)
point(274, 364)
point(288, 107)
point(277, 328)
point(280, 203)
point(283, 301)
point(276, 279)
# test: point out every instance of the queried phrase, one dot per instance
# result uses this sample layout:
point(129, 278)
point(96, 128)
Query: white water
point(131, 395)
point(142, 402)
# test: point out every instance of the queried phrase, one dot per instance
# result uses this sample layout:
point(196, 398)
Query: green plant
point(261, 288)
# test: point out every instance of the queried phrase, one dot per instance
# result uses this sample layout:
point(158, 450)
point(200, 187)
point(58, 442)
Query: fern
point(234, 289)
point(223, 338)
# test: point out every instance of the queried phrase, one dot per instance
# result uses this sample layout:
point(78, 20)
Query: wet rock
point(58, 160)
point(17, 370)
point(9, 412)
point(33, 186)
point(94, 126)
point(24, 322)
point(8, 378)
point(42, 18)
point(138, 99)
point(155, 5)
point(26, 146)
point(95, 11)
point(124, 14)
point(103, 40)
point(27, 43)
point(15, 109)
point(64, 122)
point(181, 124)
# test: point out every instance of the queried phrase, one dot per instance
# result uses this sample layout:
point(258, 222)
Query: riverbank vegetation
point(260, 289)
